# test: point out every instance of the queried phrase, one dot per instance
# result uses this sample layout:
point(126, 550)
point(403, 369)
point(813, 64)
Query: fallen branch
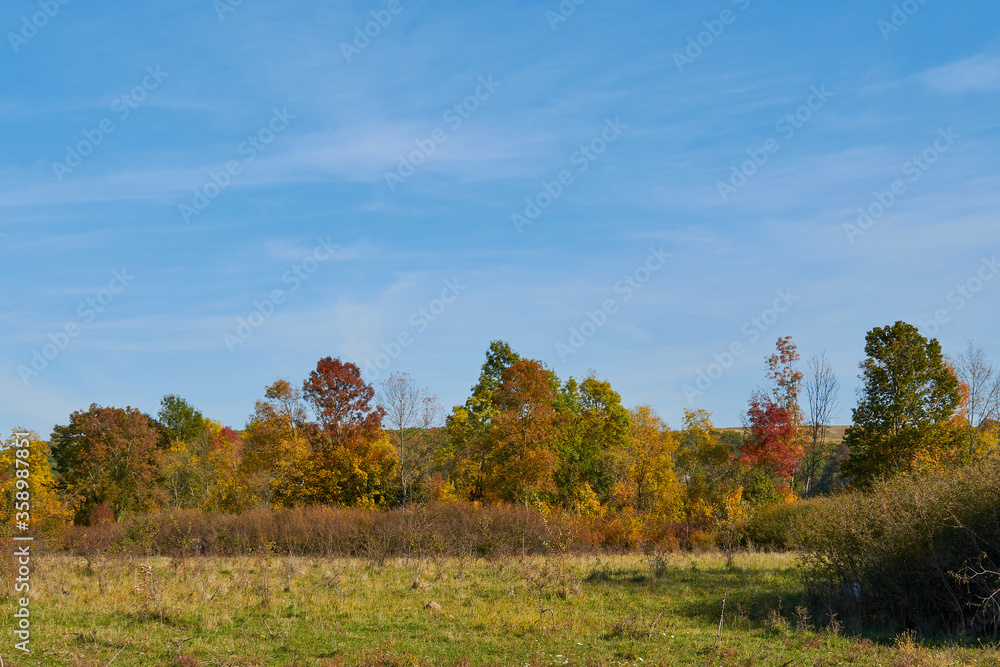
point(722, 620)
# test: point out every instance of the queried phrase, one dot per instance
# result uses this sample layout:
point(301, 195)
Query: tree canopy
point(905, 407)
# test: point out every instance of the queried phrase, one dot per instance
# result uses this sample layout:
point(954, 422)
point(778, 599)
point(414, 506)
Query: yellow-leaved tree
point(34, 472)
point(647, 481)
point(704, 463)
point(185, 467)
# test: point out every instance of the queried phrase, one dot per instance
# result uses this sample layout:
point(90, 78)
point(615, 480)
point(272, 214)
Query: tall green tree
point(596, 430)
point(906, 405)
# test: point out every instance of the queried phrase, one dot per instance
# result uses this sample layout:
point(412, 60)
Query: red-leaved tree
point(771, 442)
point(342, 401)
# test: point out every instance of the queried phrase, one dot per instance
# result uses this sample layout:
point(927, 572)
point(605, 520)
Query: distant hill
point(833, 433)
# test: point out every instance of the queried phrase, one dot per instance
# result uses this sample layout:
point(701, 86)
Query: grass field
point(272, 610)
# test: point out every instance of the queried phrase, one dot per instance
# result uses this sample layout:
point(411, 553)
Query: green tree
point(182, 421)
point(596, 429)
point(904, 416)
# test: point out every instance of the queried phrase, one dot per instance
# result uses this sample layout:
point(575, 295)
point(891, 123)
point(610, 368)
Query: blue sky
point(246, 140)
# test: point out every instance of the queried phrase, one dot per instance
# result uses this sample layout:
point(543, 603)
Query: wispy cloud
point(978, 74)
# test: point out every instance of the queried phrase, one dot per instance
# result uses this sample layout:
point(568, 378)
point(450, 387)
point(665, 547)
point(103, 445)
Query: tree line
point(526, 437)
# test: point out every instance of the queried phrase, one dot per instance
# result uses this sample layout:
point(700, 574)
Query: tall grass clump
point(920, 553)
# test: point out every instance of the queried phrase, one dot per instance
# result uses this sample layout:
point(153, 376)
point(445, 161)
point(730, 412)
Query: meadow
point(265, 609)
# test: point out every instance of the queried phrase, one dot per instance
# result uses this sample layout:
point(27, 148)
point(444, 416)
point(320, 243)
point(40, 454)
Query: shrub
point(903, 555)
point(453, 529)
point(783, 526)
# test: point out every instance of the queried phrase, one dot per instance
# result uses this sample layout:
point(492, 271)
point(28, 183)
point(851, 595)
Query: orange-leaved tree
point(108, 455)
point(526, 431)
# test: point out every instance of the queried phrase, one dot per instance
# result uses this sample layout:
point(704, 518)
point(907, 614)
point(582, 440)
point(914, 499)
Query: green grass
point(309, 611)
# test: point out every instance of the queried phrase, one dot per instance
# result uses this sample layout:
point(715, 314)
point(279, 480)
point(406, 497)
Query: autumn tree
point(358, 472)
point(645, 465)
point(351, 461)
point(108, 455)
point(34, 475)
point(228, 490)
point(186, 470)
point(705, 468)
point(903, 417)
point(785, 379)
point(770, 441)
point(274, 449)
point(773, 420)
point(520, 463)
point(341, 400)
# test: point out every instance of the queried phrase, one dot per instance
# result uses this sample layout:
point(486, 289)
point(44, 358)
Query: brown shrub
point(461, 530)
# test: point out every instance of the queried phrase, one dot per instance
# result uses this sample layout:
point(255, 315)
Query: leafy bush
point(783, 526)
point(912, 553)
